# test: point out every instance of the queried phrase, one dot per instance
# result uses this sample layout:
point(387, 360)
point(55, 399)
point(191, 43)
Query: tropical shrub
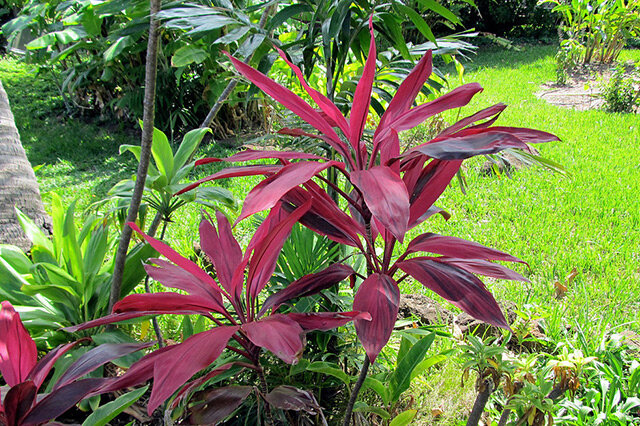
point(622, 92)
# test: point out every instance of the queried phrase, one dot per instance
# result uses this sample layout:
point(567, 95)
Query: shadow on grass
point(497, 57)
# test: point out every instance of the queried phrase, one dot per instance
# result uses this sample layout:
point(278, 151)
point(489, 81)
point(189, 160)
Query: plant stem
point(481, 402)
point(356, 389)
point(145, 153)
point(265, 391)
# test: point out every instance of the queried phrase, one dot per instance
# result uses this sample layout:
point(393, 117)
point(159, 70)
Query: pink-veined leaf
point(279, 334)
point(457, 248)
point(18, 402)
point(327, 320)
point(527, 135)
point(291, 398)
point(362, 95)
point(41, 370)
point(492, 111)
point(266, 252)
point(483, 267)
point(469, 143)
point(194, 384)
point(308, 285)
point(461, 288)
point(268, 192)
point(217, 404)
point(174, 367)
point(386, 196)
point(223, 250)
point(18, 353)
point(379, 295)
point(229, 172)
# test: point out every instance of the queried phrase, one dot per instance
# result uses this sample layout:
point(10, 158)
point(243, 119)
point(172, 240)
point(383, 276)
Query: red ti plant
point(393, 192)
point(242, 324)
point(24, 374)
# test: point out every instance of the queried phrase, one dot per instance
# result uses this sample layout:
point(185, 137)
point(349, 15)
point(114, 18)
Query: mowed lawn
point(588, 220)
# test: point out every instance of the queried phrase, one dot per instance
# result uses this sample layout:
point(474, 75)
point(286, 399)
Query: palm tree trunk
point(18, 184)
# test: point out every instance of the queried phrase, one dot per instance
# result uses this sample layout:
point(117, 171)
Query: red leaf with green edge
point(431, 183)
point(461, 288)
point(266, 252)
point(492, 111)
point(308, 285)
point(527, 135)
point(18, 353)
point(291, 398)
point(326, 320)
point(218, 404)
point(174, 367)
point(18, 402)
point(229, 172)
point(41, 370)
point(184, 263)
point(194, 384)
point(326, 106)
point(386, 196)
point(457, 98)
point(279, 334)
point(167, 303)
point(483, 267)
point(223, 250)
point(457, 248)
point(97, 357)
point(174, 276)
point(59, 401)
point(290, 101)
point(268, 192)
point(362, 95)
point(469, 143)
point(379, 295)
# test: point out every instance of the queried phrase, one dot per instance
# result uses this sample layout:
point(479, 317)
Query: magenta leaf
point(175, 366)
point(461, 288)
point(194, 384)
point(39, 373)
point(218, 404)
point(527, 135)
point(279, 334)
point(308, 285)
point(230, 172)
point(18, 353)
point(457, 247)
point(362, 95)
point(291, 398)
point(18, 402)
point(124, 316)
point(461, 146)
point(386, 196)
point(251, 154)
point(492, 111)
point(379, 295)
point(168, 303)
point(268, 192)
point(139, 372)
point(326, 320)
point(483, 267)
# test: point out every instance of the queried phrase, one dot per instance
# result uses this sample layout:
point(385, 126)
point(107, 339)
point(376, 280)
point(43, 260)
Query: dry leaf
point(561, 290)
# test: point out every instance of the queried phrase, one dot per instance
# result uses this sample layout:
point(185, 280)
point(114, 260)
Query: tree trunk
point(18, 184)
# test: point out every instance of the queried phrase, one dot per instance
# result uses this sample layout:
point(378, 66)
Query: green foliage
point(622, 92)
point(105, 413)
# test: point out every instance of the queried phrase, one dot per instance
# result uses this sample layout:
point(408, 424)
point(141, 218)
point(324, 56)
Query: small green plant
point(622, 92)
point(564, 62)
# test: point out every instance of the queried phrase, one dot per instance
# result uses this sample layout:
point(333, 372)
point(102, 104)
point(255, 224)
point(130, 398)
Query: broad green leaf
point(233, 35)
point(135, 150)
point(12, 282)
point(287, 13)
point(210, 195)
point(427, 363)
point(189, 144)
point(405, 345)
point(110, 410)
point(187, 55)
point(16, 258)
point(401, 377)
point(250, 45)
point(378, 387)
point(71, 248)
point(117, 48)
point(440, 10)
point(418, 21)
point(329, 369)
point(66, 36)
point(56, 293)
point(90, 22)
point(134, 266)
point(186, 327)
point(362, 407)
point(395, 29)
point(162, 153)
point(94, 257)
point(299, 367)
point(34, 233)
point(403, 418)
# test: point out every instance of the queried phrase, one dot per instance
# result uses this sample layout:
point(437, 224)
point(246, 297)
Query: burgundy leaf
point(527, 135)
point(97, 357)
point(457, 247)
point(267, 250)
point(483, 267)
point(174, 367)
point(308, 285)
point(458, 286)
point(18, 401)
point(268, 192)
point(167, 303)
point(291, 398)
point(182, 262)
point(469, 143)
point(492, 111)
point(279, 334)
point(362, 95)
point(218, 404)
point(223, 250)
point(186, 389)
point(326, 320)
point(379, 295)
point(112, 318)
point(386, 196)
point(390, 149)
point(251, 154)
point(39, 373)
point(18, 353)
point(60, 400)
point(260, 169)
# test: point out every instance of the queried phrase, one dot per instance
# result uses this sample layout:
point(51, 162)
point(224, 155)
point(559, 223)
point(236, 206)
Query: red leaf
point(527, 135)
point(386, 196)
point(39, 373)
point(279, 334)
point(18, 402)
point(18, 353)
point(362, 95)
point(218, 404)
point(194, 384)
point(494, 110)
point(260, 169)
point(327, 320)
point(379, 295)
point(268, 192)
point(112, 318)
point(483, 267)
point(308, 285)
point(291, 398)
point(174, 367)
point(251, 154)
point(457, 247)
point(469, 143)
point(139, 372)
point(168, 303)
point(223, 250)
point(267, 250)
point(458, 286)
